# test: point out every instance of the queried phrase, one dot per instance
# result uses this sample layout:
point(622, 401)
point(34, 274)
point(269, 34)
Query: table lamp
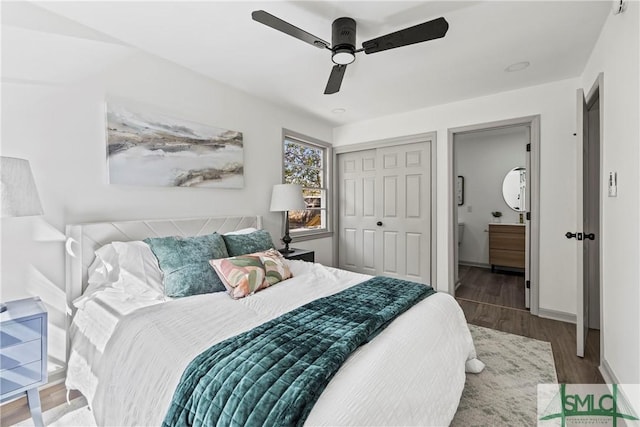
point(285, 198)
point(18, 192)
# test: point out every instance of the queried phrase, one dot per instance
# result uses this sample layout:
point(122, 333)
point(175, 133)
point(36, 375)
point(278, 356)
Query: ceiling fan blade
point(430, 30)
point(335, 79)
point(278, 24)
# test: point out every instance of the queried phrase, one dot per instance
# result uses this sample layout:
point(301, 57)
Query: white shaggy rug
point(505, 393)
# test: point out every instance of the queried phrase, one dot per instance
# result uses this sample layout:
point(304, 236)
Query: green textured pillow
point(184, 262)
point(242, 244)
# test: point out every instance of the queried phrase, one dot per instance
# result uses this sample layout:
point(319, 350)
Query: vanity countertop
point(506, 223)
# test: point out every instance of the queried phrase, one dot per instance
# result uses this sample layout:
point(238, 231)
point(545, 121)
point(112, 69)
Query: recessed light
point(338, 110)
point(518, 66)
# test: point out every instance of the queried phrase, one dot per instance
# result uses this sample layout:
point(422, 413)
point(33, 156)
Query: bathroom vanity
point(507, 245)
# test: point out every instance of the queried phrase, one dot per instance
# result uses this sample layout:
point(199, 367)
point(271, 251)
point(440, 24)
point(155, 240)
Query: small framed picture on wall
point(460, 190)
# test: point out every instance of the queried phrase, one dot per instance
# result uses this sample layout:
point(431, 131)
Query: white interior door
point(591, 214)
point(582, 306)
point(385, 216)
point(358, 241)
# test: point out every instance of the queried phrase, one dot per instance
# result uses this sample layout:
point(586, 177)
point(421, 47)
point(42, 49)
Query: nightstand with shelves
point(300, 254)
point(23, 352)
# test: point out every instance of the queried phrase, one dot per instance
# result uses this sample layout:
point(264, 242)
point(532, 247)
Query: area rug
point(504, 394)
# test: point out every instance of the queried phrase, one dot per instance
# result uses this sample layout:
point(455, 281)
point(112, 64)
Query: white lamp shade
point(287, 197)
point(19, 195)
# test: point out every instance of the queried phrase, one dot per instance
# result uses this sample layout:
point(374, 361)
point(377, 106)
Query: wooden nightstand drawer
point(22, 376)
point(21, 354)
point(13, 333)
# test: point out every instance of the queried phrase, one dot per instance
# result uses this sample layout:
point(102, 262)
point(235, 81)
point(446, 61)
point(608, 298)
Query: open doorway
point(494, 224)
point(492, 165)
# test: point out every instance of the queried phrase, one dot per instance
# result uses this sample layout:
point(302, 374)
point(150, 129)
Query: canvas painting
point(150, 149)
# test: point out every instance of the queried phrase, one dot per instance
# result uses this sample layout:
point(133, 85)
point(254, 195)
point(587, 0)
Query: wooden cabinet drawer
point(18, 332)
point(506, 258)
point(506, 241)
point(503, 228)
point(13, 379)
point(20, 354)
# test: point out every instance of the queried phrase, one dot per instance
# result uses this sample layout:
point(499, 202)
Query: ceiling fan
point(343, 38)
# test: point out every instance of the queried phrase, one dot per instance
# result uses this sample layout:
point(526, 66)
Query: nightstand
point(23, 352)
point(301, 254)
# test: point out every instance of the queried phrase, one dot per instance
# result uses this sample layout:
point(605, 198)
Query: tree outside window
point(305, 164)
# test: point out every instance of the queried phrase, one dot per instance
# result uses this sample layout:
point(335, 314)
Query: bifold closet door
point(385, 213)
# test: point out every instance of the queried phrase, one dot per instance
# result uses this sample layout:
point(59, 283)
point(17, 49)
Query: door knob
point(589, 236)
point(570, 235)
point(379, 223)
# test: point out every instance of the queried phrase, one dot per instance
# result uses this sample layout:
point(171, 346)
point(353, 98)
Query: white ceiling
point(220, 40)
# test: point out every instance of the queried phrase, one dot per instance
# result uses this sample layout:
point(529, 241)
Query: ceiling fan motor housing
point(343, 40)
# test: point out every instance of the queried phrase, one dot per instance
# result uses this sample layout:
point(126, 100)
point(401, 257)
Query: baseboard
point(57, 376)
point(561, 316)
point(474, 264)
point(607, 373)
point(610, 378)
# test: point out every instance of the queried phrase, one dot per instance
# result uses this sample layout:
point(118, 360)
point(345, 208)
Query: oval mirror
point(514, 188)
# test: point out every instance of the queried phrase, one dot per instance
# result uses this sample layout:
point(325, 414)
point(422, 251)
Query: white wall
point(483, 159)
point(617, 55)
point(60, 129)
point(554, 102)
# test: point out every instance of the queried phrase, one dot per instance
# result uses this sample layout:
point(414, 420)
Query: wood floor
point(18, 410)
point(480, 299)
point(494, 301)
point(501, 288)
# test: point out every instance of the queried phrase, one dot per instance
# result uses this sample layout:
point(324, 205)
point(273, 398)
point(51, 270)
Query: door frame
point(389, 142)
point(533, 183)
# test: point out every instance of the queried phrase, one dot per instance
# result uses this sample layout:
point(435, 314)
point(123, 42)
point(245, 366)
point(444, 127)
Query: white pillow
point(124, 267)
point(241, 231)
point(137, 262)
point(104, 267)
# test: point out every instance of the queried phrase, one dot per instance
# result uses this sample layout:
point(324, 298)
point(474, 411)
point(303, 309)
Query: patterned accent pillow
point(276, 269)
point(241, 244)
point(184, 262)
point(247, 274)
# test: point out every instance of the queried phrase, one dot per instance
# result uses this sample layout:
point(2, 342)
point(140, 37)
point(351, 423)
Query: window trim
point(327, 178)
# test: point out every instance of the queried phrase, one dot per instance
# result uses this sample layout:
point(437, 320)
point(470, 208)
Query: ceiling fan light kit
point(343, 40)
point(343, 57)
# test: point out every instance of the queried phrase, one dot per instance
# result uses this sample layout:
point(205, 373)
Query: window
point(306, 162)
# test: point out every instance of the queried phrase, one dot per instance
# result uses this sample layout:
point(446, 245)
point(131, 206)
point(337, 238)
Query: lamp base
point(286, 239)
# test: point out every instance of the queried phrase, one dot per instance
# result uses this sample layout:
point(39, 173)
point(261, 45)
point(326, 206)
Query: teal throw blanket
point(273, 374)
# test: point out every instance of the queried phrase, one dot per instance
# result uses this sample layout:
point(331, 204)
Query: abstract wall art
point(146, 148)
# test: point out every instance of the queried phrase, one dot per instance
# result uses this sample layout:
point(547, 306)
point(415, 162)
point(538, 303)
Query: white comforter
point(128, 356)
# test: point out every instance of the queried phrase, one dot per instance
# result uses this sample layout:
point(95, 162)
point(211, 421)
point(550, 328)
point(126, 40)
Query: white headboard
point(85, 239)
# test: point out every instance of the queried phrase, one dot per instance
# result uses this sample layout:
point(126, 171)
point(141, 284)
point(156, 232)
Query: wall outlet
point(469, 208)
point(613, 184)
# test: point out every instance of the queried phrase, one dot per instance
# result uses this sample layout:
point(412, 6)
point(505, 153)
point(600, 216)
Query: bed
point(128, 350)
